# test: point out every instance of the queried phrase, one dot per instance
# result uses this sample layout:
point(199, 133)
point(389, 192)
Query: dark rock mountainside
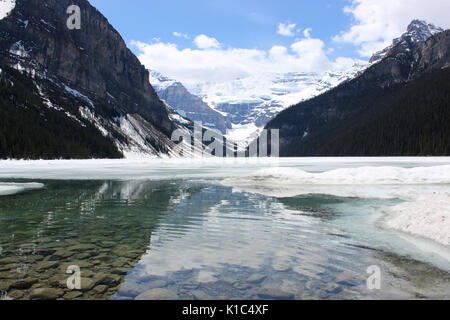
point(328, 124)
point(79, 80)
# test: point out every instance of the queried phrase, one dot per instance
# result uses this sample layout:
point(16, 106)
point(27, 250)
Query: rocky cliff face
point(431, 55)
point(187, 104)
point(94, 59)
point(307, 126)
point(91, 69)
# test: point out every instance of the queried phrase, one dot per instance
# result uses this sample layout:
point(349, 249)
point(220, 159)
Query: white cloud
point(204, 42)
point(192, 66)
point(286, 30)
point(180, 35)
point(377, 22)
point(307, 32)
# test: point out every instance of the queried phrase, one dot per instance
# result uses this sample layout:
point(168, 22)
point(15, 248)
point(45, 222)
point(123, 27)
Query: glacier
point(250, 102)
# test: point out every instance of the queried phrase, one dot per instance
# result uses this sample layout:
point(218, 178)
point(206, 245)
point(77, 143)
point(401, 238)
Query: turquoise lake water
point(172, 231)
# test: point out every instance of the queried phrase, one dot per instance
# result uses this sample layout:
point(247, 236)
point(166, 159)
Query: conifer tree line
point(29, 129)
point(405, 120)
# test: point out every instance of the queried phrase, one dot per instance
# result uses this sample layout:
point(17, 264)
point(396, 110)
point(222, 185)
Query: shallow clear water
point(166, 230)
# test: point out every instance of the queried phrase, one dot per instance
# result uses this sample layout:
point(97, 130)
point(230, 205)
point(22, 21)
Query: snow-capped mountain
point(244, 106)
point(397, 107)
point(249, 103)
point(187, 104)
point(417, 32)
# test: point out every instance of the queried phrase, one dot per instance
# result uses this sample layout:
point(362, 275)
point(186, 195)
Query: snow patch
point(178, 118)
point(242, 132)
point(349, 176)
point(18, 49)
point(47, 24)
point(159, 81)
point(87, 114)
point(50, 105)
point(78, 94)
point(6, 6)
point(427, 216)
point(424, 192)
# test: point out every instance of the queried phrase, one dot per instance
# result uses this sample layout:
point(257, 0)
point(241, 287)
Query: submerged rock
point(121, 271)
point(107, 279)
point(281, 267)
point(59, 280)
point(46, 294)
point(24, 283)
point(333, 288)
point(348, 278)
point(5, 285)
point(156, 284)
point(81, 247)
point(73, 295)
point(87, 284)
point(81, 256)
point(190, 286)
point(81, 264)
point(158, 294)
point(107, 244)
point(8, 260)
point(273, 293)
point(61, 253)
point(45, 265)
point(200, 295)
point(255, 278)
point(15, 295)
point(100, 289)
point(129, 290)
point(10, 266)
point(241, 286)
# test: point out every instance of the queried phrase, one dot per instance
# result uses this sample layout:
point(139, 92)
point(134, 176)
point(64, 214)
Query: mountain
point(242, 107)
point(75, 93)
point(187, 104)
point(417, 32)
point(397, 107)
point(412, 121)
point(251, 102)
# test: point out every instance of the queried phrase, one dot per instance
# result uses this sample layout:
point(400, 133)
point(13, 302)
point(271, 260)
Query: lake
point(298, 228)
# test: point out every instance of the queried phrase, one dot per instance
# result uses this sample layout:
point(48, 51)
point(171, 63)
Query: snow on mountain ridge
point(252, 101)
point(160, 81)
point(418, 31)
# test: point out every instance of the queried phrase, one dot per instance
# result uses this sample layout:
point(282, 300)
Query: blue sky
point(210, 40)
point(240, 24)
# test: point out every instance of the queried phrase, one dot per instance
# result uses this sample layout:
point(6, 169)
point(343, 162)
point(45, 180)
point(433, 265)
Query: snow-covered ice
point(425, 192)
point(8, 188)
point(419, 187)
point(427, 216)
